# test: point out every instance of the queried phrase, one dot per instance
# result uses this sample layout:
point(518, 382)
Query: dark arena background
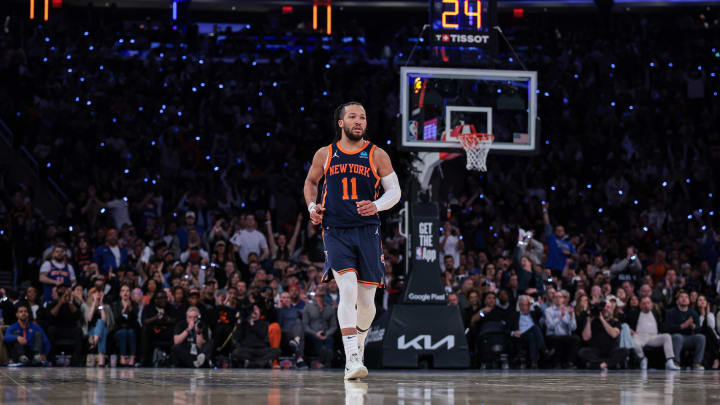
point(153, 155)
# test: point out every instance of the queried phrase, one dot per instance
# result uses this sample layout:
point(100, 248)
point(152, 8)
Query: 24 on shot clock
point(462, 22)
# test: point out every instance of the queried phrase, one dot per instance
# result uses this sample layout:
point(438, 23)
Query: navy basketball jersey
point(349, 177)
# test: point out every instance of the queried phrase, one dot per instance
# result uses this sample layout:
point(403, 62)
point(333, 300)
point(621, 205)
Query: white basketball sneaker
point(354, 368)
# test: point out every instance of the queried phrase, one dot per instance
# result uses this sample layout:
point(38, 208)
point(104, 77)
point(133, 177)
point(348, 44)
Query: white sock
point(350, 342)
point(361, 336)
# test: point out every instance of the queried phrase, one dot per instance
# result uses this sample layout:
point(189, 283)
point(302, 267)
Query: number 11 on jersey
point(353, 184)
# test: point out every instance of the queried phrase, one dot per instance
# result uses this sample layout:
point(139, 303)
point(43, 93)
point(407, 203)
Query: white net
point(477, 147)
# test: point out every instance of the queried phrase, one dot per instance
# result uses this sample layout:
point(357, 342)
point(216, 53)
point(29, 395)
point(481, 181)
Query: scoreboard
point(462, 22)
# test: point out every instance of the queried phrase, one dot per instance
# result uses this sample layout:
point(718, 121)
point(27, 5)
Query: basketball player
point(353, 169)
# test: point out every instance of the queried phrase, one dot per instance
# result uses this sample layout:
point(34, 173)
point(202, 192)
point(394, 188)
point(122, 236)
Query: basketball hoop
point(477, 146)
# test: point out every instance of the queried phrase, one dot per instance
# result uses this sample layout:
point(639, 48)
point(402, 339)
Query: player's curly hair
point(338, 115)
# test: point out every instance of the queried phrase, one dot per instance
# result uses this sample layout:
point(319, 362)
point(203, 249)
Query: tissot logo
point(424, 342)
point(463, 38)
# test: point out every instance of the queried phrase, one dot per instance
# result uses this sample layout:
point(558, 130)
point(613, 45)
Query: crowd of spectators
point(185, 238)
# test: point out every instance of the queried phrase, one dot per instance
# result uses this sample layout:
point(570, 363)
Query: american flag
point(522, 139)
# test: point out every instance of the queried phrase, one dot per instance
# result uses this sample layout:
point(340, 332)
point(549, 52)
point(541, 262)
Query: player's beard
point(353, 136)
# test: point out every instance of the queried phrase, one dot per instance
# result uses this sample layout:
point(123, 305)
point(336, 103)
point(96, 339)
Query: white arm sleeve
point(391, 196)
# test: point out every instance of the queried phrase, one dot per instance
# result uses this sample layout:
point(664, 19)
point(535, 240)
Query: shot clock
point(462, 22)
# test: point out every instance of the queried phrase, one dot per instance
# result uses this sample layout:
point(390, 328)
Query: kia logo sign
point(424, 342)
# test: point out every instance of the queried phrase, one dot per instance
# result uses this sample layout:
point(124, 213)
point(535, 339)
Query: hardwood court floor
point(79, 386)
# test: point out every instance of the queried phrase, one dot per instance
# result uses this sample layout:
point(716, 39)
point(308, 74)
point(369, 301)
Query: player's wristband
point(311, 207)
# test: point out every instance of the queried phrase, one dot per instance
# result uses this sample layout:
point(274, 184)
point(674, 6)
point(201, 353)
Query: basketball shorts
point(357, 249)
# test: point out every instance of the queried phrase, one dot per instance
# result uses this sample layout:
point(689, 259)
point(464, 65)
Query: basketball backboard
point(438, 103)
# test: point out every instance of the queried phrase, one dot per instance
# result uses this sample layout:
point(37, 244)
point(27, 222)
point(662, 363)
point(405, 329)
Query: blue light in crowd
point(220, 86)
point(600, 210)
point(552, 188)
point(121, 40)
point(652, 64)
point(547, 142)
point(254, 63)
point(102, 67)
point(589, 186)
point(162, 55)
point(327, 66)
point(635, 202)
point(47, 39)
point(114, 120)
point(481, 196)
point(197, 138)
point(612, 66)
point(631, 108)
point(202, 84)
point(132, 41)
point(700, 210)
point(499, 91)
point(165, 84)
point(207, 157)
point(92, 48)
point(238, 160)
point(712, 74)
point(126, 171)
point(620, 192)
point(102, 210)
point(670, 64)
point(699, 67)
point(249, 108)
point(247, 126)
point(689, 217)
point(194, 89)
point(274, 84)
point(285, 164)
point(576, 75)
point(184, 57)
point(164, 107)
point(145, 179)
point(491, 227)
point(86, 33)
point(216, 168)
point(715, 93)
point(389, 142)
point(179, 113)
point(70, 228)
point(710, 195)
point(140, 108)
point(161, 111)
point(88, 102)
point(565, 100)
point(152, 143)
point(510, 59)
point(267, 133)
point(68, 57)
point(52, 48)
point(325, 93)
point(645, 228)
point(300, 51)
point(154, 181)
point(48, 164)
point(44, 59)
point(77, 99)
point(242, 205)
point(202, 62)
point(687, 181)
point(260, 93)
point(703, 227)
point(711, 213)
point(302, 108)
point(125, 199)
point(70, 70)
point(174, 214)
point(547, 94)
point(664, 183)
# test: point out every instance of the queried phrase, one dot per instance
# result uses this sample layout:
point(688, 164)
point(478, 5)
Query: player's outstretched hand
point(366, 208)
point(316, 216)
